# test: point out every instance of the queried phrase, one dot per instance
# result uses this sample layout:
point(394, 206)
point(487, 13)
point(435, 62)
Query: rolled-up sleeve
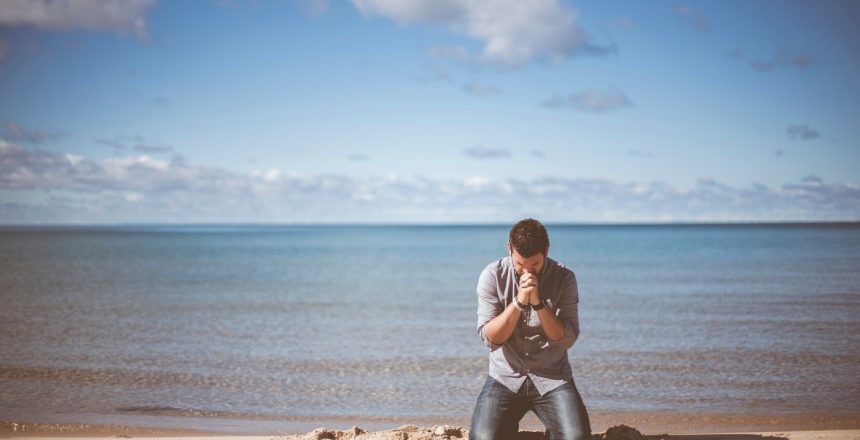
point(568, 313)
point(489, 305)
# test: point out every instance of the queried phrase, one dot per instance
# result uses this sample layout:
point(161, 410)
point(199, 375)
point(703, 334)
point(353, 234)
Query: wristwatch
point(539, 305)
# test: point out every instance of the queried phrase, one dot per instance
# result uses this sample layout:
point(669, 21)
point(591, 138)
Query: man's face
point(522, 264)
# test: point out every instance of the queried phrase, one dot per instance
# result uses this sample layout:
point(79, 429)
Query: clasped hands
point(528, 289)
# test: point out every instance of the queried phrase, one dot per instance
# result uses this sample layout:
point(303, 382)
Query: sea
point(250, 328)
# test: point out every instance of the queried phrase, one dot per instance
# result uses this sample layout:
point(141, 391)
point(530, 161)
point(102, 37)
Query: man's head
point(528, 244)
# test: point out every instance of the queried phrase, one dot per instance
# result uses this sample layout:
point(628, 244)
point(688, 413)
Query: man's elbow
point(485, 338)
point(556, 340)
point(568, 338)
point(574, 335)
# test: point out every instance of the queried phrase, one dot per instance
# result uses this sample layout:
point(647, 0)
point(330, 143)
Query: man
point(528, 317)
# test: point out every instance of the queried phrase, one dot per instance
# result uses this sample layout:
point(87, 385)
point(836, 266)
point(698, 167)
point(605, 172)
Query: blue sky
point(428, 111)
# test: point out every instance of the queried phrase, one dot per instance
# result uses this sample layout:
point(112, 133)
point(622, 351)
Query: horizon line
point(431, 224)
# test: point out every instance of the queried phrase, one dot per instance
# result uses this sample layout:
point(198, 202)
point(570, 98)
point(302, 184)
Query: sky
point(428, 111)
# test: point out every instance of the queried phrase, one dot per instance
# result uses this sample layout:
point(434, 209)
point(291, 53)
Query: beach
point(409, 431)
point(652, 425)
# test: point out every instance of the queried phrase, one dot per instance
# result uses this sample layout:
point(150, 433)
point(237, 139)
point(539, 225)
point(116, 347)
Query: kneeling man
point(528, 317)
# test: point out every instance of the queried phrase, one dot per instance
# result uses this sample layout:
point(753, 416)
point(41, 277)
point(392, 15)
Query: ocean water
point(285, 322)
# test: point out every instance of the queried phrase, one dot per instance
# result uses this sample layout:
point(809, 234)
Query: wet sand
point(44, 431)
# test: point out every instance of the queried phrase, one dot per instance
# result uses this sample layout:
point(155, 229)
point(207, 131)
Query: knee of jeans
point(568, 430)
point(574, 433)
point(480, 429)
point(480, 433)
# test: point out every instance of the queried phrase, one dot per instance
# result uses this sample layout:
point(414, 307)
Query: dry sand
point(407, 432)
point(620, 432)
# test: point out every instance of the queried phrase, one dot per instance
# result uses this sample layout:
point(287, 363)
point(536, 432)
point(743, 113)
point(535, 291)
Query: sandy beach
point(653, 422)
point(438, 432)
point(528, 431)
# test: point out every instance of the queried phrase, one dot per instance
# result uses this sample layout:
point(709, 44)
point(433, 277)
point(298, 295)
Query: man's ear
point(510, 248)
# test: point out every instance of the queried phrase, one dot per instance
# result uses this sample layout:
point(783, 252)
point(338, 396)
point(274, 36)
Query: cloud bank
point(120, 16)
point(13, 131)
point(136, 143)
point(38, 186)
point(513, 32)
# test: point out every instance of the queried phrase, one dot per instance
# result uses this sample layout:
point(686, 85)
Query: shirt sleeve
point(568, 312)
point(489, 305)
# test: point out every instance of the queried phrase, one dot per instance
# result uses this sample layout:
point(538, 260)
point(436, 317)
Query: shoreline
point(650, 423)
point(437, 432)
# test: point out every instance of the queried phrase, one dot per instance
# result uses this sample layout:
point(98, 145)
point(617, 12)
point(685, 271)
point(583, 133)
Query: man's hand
point(528, 289)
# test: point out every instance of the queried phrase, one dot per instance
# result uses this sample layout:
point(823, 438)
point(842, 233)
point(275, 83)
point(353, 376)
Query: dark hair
point(528, 237)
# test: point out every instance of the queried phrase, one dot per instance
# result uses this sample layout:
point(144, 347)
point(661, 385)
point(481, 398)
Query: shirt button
point(527, 354)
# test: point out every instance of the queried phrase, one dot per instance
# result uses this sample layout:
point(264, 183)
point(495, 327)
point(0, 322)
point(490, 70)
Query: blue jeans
point(499, 411)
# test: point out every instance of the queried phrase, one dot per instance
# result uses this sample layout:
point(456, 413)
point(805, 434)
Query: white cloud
point(802, 132)
point(625, 23)
point(693, 16)
point(433, 72)
point(154, 149)
point(478, 88)
point(359, 157)
point(136, 143)
point(121, 16)
point(16, 132)
point(74, 159)
point(484, 152)
point(144, 189)
point(314, 7)
point(785, 58)
point(408, 11)
point(450, 53)
point(270, 175)
point(476, 183)
point(513, 32)
point(596, 101)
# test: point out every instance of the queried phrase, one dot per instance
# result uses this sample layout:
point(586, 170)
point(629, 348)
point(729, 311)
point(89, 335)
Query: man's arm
point(495, 325)
point(564, 328)
point(500, 328)
point(552, 326)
